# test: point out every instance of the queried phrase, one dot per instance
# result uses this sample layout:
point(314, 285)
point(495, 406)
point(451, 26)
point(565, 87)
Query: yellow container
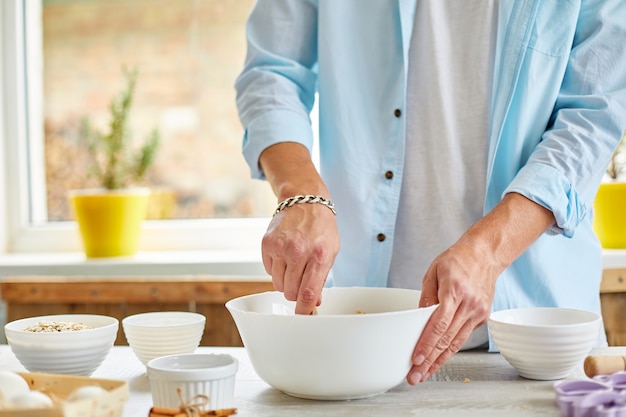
point(162, 203)
point(609, 221)
point(110, 221)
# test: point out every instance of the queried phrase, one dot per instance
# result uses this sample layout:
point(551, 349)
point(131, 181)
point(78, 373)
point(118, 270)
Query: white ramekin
point(195, 374)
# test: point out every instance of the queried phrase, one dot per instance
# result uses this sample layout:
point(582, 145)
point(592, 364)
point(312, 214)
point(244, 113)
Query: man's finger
point(293, 280)
point(278, 274)
point(310, 292)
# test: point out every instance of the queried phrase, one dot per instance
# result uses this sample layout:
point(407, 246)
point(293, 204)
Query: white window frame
point(23, 225)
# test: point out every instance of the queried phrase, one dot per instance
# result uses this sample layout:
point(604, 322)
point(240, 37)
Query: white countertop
point(470, 384)
point(613, 258)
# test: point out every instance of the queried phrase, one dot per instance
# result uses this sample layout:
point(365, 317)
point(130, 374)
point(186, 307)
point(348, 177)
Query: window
point(63, 60)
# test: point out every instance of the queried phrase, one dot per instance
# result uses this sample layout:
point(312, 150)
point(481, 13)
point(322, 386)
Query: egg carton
point(109, 404)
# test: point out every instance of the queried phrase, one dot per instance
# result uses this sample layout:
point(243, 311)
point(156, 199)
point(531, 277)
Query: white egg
point(11, 385)
point(31, 399)
point(86, 392)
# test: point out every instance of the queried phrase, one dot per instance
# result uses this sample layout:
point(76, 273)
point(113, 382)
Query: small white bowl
point(208, 374)
point(163, 333)
point(77, 352)
point(359, 345)
point(545, 343)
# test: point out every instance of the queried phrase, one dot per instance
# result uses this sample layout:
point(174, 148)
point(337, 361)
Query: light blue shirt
point(557, 112)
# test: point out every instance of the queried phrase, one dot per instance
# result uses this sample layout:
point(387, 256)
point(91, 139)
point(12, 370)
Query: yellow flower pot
point(609, 221)
point(110, 221)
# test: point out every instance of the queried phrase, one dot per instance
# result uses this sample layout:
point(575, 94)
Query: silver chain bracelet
point(300, 199)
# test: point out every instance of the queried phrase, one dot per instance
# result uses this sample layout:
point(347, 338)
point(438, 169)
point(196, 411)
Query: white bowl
point(212, 375)
point(69, 352)
point(163, 333)
point(338, 354)
point(544, 343)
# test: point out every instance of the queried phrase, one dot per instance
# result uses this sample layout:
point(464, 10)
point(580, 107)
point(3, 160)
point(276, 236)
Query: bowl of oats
point(70, 344)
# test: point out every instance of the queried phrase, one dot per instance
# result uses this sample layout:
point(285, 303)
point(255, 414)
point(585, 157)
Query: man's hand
point(301, 241)
point(299, 248)
point(463, 279)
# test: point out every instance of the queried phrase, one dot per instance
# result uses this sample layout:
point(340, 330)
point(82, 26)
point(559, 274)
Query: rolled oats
point(56, 326)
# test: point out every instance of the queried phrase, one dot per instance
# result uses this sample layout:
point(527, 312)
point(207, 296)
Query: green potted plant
point(609, 220)
point(109, 218)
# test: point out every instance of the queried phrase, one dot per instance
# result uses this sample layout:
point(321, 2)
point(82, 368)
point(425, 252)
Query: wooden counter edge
point(613, 280)
point(141, 289)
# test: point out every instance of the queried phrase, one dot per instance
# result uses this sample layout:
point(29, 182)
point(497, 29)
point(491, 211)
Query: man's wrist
point(302, 199)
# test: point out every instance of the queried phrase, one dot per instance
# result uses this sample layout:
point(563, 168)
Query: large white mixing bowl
point(359, 345)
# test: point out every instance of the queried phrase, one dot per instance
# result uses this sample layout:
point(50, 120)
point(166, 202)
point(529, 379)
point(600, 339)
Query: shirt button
point(381, 237)
point(397, 112)
point(389, 175)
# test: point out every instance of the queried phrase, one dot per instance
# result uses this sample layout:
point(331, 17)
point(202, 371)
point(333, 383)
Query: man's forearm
point(510, 228)
point(290, 171)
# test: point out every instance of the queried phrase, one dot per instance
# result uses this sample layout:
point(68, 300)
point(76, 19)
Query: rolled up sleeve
point(270, 128)
point(549, 188)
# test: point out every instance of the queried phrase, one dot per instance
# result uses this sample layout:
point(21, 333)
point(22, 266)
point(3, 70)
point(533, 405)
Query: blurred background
point(188, 54)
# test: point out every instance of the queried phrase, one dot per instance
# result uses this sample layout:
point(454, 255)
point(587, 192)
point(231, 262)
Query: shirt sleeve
point(276, 89)
point(564, 170)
